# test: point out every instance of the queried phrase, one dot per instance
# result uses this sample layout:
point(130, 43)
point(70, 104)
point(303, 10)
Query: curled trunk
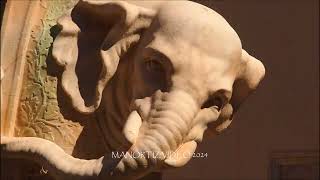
point(162, 133)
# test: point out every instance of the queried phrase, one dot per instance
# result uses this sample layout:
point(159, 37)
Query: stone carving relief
point(38, 113)
point(152, 76)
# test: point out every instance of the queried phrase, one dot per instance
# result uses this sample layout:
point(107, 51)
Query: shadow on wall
point(90, 131)
point(2, 7)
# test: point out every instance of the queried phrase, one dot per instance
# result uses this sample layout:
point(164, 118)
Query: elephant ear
point(96, 30)
point(251, 73)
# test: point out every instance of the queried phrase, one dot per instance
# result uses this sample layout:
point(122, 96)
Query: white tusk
point(132, 126)
point(182, 155)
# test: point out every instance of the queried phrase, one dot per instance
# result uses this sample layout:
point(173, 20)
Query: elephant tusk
point(182, 155)
point(132, 126)
point(200, 123)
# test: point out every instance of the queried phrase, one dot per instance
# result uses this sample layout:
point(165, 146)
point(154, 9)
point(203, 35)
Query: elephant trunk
point(162, 133)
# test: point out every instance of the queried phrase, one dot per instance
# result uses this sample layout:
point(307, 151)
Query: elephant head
point(186, 72)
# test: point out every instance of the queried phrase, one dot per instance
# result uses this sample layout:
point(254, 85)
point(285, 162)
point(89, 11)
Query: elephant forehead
point(198, 26)
point(193, 63)
point(193, 67)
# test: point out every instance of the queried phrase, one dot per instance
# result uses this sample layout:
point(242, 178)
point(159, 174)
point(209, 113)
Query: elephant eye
point(154, 65)
point(215, 102)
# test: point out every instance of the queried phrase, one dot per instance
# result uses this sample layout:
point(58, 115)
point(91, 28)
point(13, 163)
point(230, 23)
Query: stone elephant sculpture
point(169, 71)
